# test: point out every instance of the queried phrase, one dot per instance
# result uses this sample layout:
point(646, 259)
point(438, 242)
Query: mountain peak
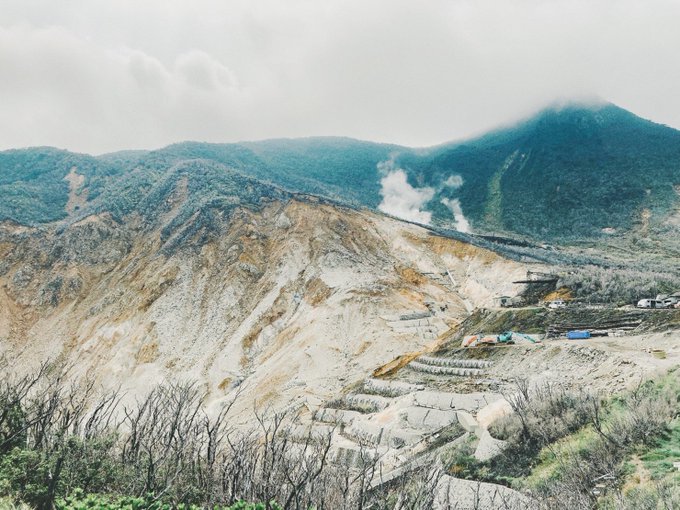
point(598, 112)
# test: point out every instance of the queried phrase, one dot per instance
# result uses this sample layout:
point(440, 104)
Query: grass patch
point(549, 460)
point(639, 429)
point(659, 459)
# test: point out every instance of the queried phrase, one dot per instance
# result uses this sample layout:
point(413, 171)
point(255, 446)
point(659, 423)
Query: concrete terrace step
point(390, 388)
point(417, 462)
point(453, 362)
point(400, 437)
point(314, 432)
point(337, 416)
point(371, 402)
point(472, 495)
point(460, 401)
point(363, 433)
point(372, 434)
point(439, 370)
point(354, 455)
point(430, 419)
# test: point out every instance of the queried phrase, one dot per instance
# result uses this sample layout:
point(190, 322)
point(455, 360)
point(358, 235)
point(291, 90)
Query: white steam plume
point(460, 223)
point(400, 199)
point(454, 181)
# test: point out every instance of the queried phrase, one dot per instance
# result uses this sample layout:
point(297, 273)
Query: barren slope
point(290, 301)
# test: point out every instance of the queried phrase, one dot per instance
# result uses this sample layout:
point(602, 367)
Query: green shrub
point(24, 475)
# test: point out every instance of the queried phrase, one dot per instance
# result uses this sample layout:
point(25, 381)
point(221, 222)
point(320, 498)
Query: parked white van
point(651, 303)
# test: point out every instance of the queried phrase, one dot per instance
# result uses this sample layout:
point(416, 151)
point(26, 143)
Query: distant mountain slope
point(340, 168)
point(567, 173)
point(33, 183)
point(564, 173)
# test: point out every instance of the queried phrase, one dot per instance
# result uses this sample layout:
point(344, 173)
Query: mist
point(97, 77)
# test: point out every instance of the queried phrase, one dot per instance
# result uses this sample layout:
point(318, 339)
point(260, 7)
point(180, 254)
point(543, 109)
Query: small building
point(507, 301)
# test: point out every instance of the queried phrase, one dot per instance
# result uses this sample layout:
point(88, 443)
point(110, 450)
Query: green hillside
point(566, 173)
point(33, 188)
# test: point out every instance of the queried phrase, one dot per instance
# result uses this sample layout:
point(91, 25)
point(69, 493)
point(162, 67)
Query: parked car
point(557, 303)
point(652, 303)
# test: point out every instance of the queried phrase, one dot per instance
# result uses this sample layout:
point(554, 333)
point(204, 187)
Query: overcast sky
point(97, 76)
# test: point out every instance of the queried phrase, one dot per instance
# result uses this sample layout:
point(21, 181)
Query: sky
point(98, 76)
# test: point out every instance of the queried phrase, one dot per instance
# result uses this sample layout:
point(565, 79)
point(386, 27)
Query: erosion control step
point(452, 362)
point(439, 370)
point(369, 402)
point(337, 416)
point(390, 388)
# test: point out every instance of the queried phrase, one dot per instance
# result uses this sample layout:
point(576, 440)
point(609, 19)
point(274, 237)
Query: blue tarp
point(578, 335)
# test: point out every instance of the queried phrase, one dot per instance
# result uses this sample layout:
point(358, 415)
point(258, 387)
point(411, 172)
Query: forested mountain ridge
point(571, 172)
point(566, 172)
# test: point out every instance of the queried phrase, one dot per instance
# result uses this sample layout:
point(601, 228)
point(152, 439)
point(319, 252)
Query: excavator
point(505, 338)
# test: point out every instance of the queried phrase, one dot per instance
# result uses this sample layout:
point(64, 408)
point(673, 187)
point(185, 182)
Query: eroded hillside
point(286, 301)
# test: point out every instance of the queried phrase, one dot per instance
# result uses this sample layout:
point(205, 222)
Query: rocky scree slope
point(203, 274)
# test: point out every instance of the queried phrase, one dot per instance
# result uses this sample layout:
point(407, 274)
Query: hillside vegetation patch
point(574, 448)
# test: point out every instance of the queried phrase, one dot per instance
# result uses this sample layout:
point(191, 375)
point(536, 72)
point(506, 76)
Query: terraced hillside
point(442, 407)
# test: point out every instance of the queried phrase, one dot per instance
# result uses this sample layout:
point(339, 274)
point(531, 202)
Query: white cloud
point(98, 76)
point(68, 92)
point(402, 200)
point(200, 70)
